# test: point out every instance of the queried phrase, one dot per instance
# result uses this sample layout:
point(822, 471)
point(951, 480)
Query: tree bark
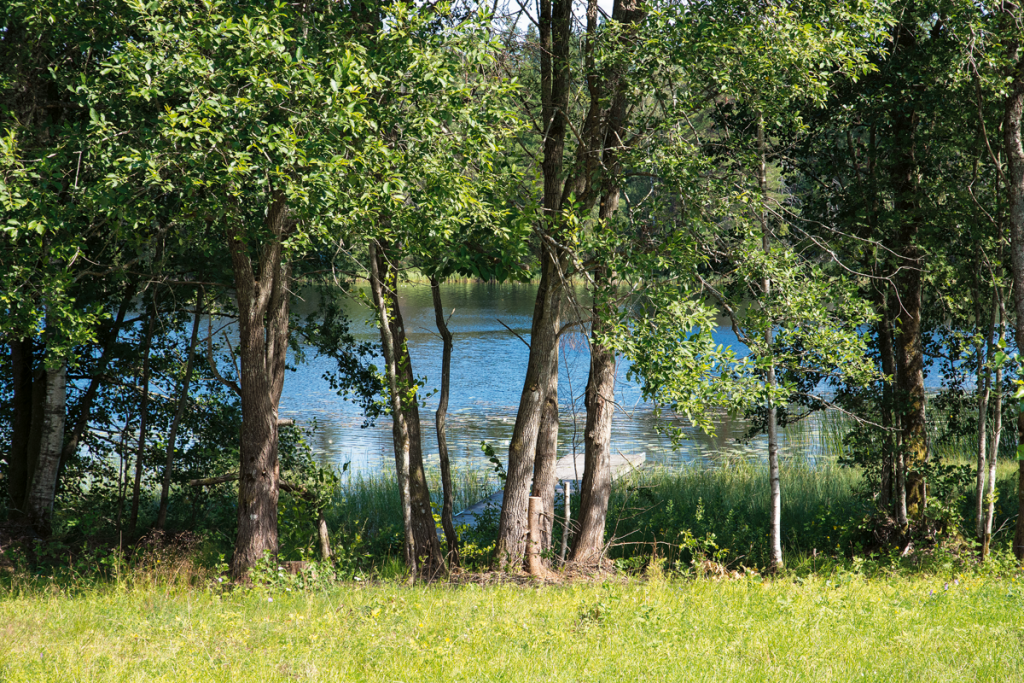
point(513, 522)
point(775, 511)
point(179, 412)
point(984, 387)
point(140, 452)
point(544, 480)
point(911, 387)
point(1013, 108)
point(399, 428)
point(555, 27)
point(423, 552)
point(262, 294)
point(889, 370)
point(440, 418)
point(43, 482)
point(534, 565)
point(910, 356)
point(595, 489)
point(997, 432)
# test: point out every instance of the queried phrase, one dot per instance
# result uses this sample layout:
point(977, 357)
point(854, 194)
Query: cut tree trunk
point(534, 565)
point(324, 536)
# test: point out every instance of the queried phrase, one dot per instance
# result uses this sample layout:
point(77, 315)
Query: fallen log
point(233, 476)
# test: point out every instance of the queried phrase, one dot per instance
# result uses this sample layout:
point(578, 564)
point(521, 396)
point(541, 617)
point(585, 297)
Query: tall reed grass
point(724, 512)
point(716, 507)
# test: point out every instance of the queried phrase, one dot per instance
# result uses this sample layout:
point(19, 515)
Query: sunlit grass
point(827, 628)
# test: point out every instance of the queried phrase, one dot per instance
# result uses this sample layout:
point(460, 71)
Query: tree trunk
point(899, 456)
point(775, 513)
point(428, 549)
point(596, 156)
point(262, 295)
point(440, 417)
point(595, 489)
point(1013, 108)
point(84, 408)
point(122, 470)
point(555, 32)
point(910, 357)
point(566, 520)
point(534, 565)
point(910, 398)
point(911, 393)
point(889, 370)
point(179, 412)
point(399, 428)
point(43, 484)
point(544, 481)
point(21, 426)
point(423, 552)
point(513, 523)
point(997, 432)
point(984, 386)
point(140, 452)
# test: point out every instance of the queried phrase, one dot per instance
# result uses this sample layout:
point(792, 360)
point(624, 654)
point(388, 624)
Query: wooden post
point(534, 565)
point(565, 523)
point(325, 538)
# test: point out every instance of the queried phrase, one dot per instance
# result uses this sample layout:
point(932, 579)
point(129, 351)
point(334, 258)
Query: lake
point(488, 365)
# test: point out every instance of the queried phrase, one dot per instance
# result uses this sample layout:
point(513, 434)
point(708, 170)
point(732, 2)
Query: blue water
point(488, 366)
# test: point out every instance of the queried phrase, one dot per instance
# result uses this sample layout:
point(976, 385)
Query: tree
point(53, 305)
point(242, 123)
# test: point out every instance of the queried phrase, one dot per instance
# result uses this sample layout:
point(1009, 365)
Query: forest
point(837, 183)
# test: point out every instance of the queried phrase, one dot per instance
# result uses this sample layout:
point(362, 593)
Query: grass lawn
point(844, 628)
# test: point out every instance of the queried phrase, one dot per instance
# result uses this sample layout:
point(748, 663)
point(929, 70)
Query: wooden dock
point(569, 468)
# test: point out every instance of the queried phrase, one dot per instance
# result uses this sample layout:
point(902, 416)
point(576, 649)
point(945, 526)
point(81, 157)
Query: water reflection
point(488, 365)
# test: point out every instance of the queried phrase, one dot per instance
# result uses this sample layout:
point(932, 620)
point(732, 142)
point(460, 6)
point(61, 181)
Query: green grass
point(837, 628)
